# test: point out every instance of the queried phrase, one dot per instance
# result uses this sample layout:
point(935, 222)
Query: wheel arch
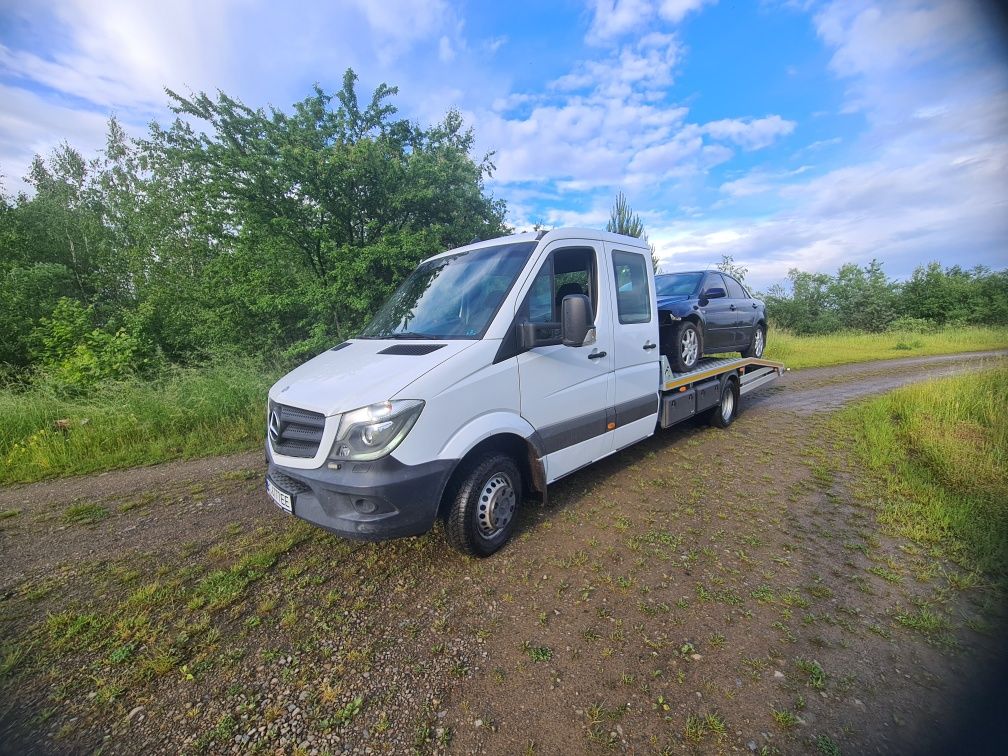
point(522, 450)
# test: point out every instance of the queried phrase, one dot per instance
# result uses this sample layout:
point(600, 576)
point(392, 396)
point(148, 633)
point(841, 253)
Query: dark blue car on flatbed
point(707, 312)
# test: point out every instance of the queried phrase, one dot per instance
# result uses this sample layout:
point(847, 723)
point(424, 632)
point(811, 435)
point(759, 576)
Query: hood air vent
point(414, 350)
point(340, 346)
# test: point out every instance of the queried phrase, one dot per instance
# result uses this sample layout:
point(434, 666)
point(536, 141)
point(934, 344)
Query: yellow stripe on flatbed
point(685, 379)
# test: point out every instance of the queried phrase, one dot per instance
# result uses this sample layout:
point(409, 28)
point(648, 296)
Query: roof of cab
point(592, 234)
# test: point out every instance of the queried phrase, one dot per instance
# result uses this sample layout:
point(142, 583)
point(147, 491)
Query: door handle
point(754, 305)
point(649, 345)
point(596, 355)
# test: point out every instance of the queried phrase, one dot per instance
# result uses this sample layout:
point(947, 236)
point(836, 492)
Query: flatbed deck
point(753, 372)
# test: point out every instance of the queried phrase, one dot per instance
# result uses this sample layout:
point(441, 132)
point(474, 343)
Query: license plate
point(282, 499)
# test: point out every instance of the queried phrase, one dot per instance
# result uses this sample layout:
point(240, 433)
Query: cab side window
point(567, 271)
point(633, 297)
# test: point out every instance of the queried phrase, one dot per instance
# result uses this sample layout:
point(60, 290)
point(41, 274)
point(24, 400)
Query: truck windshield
point(677, 284)
point(451, 297)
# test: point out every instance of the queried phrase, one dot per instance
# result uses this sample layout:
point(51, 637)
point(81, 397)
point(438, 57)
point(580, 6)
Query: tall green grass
point(218, 408)
point(185, 413)
point(841, 348)
point(939, 452)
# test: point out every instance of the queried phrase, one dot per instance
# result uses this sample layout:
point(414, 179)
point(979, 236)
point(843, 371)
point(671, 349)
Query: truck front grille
point(295, 432)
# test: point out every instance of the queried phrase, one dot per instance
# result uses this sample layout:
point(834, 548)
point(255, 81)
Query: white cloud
point(750, 133)
point(31, 125)
point(608, 123)
point(494, 44)
point(446, 53)
point(676, 10)
point(612, 19)
point(928, 180)
point(120, 55)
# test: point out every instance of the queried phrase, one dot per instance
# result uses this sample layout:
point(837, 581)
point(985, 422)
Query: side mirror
point(575, 319)
point(531, 335)
point(715, 292)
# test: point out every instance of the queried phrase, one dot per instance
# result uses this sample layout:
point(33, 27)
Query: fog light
point(365, 506)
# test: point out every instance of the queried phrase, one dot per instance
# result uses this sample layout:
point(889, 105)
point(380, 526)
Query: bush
point(907, 324)
point(77, 356)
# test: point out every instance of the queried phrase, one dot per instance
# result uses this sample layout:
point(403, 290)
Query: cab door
point(565, 391)
point(635, 340)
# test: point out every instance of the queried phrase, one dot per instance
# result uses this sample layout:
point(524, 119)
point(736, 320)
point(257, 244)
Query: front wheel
point(483, 505)
point(687, 346)
point(758, 343)
point(725, 411)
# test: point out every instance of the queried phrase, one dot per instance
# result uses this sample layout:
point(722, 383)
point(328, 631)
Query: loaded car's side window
point(735, 290)
point(567, 271)
point(714, 281)
point(633, 298)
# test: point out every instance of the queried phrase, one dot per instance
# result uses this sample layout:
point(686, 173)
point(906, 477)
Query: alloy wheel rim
point(689, 347)
point(759, 342)
point(496, 505)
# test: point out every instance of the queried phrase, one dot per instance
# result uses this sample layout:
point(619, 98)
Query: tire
point(682, 356)
point(758, 343)
point(483, 504)
point(725, 411)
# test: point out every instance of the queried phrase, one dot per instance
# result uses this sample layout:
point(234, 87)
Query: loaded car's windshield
point(677, 284)
point(452, 297)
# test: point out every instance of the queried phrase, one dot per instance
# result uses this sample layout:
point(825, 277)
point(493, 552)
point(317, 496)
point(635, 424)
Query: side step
point(753, 379)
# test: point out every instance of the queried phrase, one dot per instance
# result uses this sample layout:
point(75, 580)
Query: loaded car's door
point(635, 339)
point(719, 315)
point(565, 391)
point(745, 311)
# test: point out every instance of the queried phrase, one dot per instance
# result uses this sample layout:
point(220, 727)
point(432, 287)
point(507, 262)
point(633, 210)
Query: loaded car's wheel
point(687, 346)
point(758, 343)
point(725, 411)
point(483, 505)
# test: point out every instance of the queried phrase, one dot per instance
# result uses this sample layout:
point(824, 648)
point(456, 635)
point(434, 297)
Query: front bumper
point(370, 501)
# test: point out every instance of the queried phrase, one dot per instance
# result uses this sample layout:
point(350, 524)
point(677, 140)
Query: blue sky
point(785, 133)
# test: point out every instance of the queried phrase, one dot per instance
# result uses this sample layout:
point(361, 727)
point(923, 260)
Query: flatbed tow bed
point(687, 394)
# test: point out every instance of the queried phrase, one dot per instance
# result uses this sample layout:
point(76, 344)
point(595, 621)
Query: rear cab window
point(633, 296)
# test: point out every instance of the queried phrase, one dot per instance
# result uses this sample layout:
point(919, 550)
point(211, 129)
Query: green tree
point(315, 215)
point(623, 220)
point(805, 307)
point(729, 266)
point(863, 298)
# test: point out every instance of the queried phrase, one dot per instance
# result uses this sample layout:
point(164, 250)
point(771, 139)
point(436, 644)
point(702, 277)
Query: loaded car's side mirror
point(714, 292)
point(576, 319)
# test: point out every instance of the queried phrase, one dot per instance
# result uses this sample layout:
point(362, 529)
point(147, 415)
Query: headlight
point(374, 431)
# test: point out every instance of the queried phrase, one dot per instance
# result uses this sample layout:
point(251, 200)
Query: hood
point(355, 374)
point(673, 300)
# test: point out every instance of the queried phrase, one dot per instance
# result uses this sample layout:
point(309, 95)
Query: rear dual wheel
point(726, 410)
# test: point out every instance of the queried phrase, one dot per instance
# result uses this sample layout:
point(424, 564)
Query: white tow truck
point(494, 370)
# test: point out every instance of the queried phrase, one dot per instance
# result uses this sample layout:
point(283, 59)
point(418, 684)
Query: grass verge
point(186, 413)
point(938, 451)
point(842, 348)
point(218, 408)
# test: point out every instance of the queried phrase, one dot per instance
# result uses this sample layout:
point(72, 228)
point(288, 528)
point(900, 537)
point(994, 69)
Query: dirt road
point(708, 590)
